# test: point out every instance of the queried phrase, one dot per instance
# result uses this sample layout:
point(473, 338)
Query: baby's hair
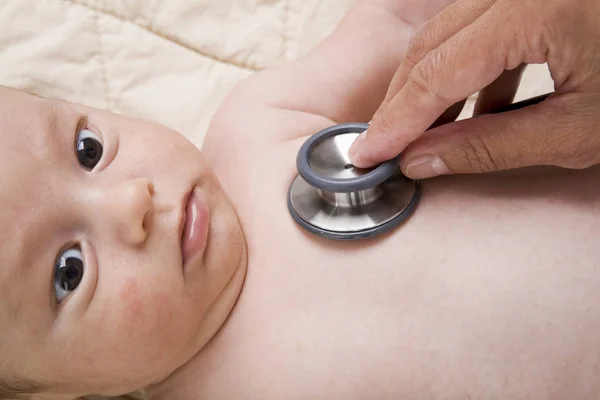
point(18, 389)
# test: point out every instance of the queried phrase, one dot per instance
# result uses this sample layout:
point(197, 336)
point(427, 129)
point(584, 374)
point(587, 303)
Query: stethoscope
point(332, 198)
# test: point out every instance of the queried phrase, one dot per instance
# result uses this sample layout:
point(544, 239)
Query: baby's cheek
point(129, 298)
point(152, 321)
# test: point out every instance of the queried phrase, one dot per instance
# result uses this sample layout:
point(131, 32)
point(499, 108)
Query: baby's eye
point(68, 272)
point(89, 149)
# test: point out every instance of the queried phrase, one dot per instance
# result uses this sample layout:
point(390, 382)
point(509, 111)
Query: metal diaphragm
point(334, 199)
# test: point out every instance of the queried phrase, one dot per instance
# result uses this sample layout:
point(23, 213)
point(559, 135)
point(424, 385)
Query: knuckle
point(574, 142)
point(417, 48)
point(575, 152)
point(385, 127)
point(479, 157)
point(423, 77)
point(384, 132)
point(385, 122)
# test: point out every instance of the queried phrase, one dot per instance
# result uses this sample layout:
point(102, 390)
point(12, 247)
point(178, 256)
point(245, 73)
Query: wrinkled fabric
point(172, 61)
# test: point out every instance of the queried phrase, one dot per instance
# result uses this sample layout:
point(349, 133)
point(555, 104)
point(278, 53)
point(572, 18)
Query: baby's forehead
point(24, 136)
point(23, 117)
point(24, 125)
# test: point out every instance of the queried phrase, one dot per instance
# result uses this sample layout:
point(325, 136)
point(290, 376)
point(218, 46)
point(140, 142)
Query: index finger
point(442, 27)
point(459, 67)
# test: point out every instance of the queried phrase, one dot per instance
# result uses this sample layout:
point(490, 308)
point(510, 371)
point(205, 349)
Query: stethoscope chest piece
point(332, 198)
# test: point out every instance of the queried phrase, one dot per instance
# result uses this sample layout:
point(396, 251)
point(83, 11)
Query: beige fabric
point(171, 61)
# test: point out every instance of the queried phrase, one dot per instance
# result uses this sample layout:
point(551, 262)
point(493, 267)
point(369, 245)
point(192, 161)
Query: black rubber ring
point(368, 181)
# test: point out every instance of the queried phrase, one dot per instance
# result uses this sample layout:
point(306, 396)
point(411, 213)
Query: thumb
point(548, 133)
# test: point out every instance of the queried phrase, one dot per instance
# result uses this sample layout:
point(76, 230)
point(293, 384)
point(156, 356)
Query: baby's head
point(98, 291)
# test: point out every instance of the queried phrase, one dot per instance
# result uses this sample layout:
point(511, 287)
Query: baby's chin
point(213, 321)
point(225, 262)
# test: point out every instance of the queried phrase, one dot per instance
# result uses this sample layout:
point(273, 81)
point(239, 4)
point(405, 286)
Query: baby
point(130, 260)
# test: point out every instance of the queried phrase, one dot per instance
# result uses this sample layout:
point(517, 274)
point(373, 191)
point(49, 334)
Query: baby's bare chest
point(462, 300)
point(310, 326)
point(392, 322)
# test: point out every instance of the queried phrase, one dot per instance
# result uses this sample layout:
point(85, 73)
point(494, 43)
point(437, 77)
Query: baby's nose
point(128, 207)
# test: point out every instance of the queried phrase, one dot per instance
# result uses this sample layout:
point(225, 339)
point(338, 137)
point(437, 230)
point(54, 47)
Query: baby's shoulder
point(251, 119)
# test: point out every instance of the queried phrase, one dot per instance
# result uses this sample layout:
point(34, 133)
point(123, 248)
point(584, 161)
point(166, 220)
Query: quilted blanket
point(169, 61)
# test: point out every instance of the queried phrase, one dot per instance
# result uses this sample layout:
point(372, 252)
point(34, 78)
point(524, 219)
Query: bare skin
point(488, 291)
point(96, 292)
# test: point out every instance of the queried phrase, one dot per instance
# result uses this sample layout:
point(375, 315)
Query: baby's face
point(106, 283)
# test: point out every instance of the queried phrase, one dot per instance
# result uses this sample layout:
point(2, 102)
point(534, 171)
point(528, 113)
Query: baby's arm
point(346, 77)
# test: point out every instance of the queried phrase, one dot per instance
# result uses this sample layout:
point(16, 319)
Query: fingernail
point(357, 142)
point(423, 167)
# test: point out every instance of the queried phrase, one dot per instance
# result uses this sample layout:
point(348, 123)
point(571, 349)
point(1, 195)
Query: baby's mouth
point(194, 225)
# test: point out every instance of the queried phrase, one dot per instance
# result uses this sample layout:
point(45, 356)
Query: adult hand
point(464, 49)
